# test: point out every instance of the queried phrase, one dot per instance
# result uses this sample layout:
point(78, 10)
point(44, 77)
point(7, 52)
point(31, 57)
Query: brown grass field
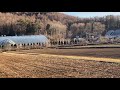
point(61, 63)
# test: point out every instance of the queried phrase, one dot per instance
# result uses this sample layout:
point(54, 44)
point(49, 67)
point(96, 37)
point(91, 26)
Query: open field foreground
point(36, 65)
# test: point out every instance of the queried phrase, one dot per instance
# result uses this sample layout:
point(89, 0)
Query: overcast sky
point(91, 14)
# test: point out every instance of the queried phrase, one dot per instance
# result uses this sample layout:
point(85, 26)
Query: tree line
point(54, 24)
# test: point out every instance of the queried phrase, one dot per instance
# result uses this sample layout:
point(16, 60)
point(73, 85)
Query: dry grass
point(35, 65)
point(94, 52)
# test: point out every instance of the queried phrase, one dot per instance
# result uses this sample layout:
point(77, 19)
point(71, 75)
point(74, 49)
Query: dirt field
point(36, 65)
point(95, 52)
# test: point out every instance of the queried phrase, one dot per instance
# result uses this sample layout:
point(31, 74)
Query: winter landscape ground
point(61, 63)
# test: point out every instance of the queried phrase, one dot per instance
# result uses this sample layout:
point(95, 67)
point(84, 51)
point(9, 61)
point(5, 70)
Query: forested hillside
point(54, 24)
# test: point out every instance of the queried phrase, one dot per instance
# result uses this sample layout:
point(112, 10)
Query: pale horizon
point(91, 14)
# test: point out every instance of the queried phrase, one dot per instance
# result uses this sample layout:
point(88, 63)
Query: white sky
point(91, 14)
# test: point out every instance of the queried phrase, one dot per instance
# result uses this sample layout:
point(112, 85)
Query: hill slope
point(54, 23)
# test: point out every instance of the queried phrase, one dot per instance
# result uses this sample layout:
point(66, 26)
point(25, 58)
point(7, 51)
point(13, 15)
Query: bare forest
point(55, 24)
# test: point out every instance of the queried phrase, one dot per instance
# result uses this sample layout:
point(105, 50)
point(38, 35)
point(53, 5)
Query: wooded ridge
point(55, 24)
